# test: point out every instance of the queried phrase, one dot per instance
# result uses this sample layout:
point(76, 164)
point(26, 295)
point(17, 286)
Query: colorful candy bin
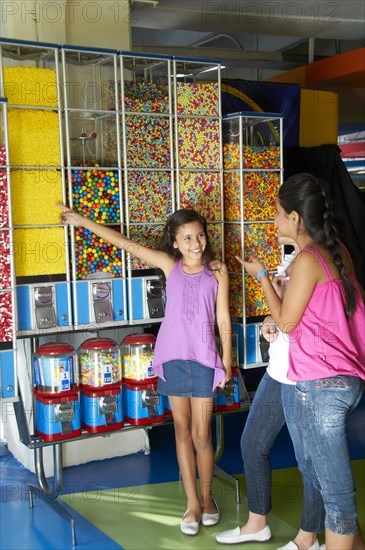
point(142, 404)
point(99, 364)
point(137, 357)
point(55, 370)
point(57, 418)
point(6, 297)
point(252, 175)
point(101, 410)
point(146, 83)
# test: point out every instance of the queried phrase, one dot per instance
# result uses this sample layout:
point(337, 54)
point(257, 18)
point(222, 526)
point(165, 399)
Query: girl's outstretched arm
point(149, 255)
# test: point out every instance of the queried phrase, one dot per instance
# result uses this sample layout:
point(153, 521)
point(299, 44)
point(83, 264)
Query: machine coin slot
point(151, 400)
point(64, 413)
point(45, 314)
point(102, 295)
point(155, 298)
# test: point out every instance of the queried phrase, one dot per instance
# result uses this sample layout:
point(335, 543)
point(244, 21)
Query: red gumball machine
point(56, 391)
point(141, 402)
point(100, 373)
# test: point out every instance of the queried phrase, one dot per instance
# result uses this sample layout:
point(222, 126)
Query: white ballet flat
point(292, 546)
point(211, 519)
point(189, 527)
point(234, 536)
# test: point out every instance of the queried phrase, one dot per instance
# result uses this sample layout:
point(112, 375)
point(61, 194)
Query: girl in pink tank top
point(323, 314)
point(186, 356)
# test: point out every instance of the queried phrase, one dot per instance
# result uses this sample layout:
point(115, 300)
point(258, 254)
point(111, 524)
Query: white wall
point(99, 24)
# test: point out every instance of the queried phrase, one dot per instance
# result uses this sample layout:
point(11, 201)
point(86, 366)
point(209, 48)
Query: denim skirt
point(186, 379)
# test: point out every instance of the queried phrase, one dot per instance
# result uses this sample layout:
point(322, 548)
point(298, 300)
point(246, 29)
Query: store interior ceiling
point(258, 39)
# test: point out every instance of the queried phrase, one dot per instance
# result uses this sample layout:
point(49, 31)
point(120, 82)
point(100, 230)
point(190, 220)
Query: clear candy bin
point(55, 369)
point(99, 364)
point(137, 358)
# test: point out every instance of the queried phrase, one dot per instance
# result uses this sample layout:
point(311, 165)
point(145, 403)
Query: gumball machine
point(228, 398)
point(100, 380)
point(56, 391)
point(141, 402)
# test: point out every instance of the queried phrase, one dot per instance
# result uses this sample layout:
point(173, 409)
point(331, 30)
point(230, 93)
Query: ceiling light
point(153, 3)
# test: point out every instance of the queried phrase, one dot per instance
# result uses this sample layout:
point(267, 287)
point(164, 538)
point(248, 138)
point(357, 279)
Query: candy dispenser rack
point(253, 172)
point(94, 173)
point(198, 152)
point(102, 97)
point(30, 80)
point(146, 100)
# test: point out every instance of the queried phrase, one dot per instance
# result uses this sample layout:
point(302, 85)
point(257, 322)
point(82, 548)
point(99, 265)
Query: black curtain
point(349, 202)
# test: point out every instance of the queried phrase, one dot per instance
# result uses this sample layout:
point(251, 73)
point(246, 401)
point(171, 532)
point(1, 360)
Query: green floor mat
point(148, 516)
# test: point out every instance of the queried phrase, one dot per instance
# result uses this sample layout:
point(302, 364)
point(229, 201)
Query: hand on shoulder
point(219, 267)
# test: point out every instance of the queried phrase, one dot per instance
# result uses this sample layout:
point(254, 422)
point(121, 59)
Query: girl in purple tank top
point(323, 313)
point(186, 358)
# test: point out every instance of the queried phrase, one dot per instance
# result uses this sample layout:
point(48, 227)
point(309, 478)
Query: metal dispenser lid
point(98, 344)
point(55, 348)
point(136, 339)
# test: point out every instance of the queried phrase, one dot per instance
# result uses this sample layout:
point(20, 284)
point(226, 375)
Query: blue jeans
point(322, 407)
point(273, 404)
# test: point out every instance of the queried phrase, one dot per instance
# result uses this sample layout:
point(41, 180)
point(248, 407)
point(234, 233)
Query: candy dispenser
point(55, 370)
point(94, 173)
point(100, 379)
point(137, 352)
point(30, 81)
point(57, 409)
point(141, 402)
point(253, 171)
point(7, 284)
point(228, 398)
point(99, 364)
point(198, 153)
point(101, 411)
point(57, 419)
point(145, 92)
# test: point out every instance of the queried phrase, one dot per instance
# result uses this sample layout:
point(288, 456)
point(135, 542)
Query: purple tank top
point(187, 331)
point(326, 343)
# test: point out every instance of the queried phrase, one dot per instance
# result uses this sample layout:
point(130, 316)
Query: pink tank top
point(187, 331)
point(326, 343)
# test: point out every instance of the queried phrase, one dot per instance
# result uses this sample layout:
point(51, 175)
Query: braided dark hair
point(310, 197)
point(173, 223)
